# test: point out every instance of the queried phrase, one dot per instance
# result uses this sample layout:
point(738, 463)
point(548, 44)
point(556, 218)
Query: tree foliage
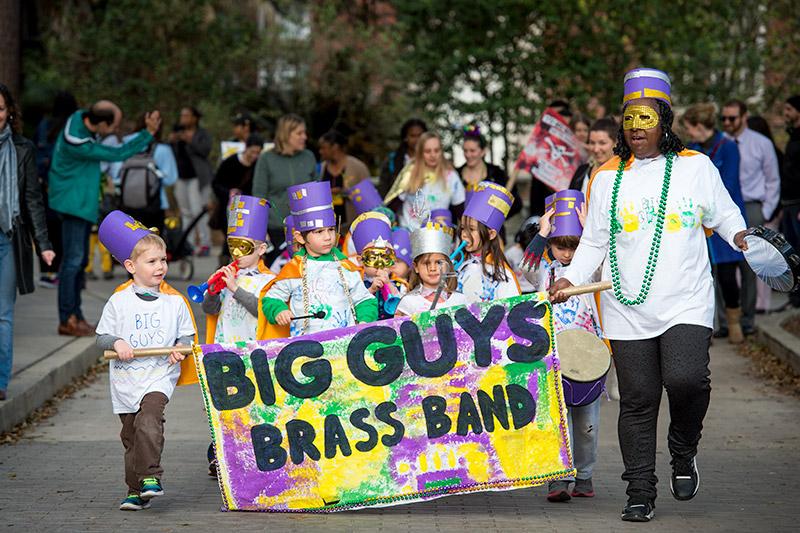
point(363, 66)
point(500, 61)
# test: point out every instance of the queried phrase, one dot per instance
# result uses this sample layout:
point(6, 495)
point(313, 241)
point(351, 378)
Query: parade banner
point(551, 154)
point(457, 400)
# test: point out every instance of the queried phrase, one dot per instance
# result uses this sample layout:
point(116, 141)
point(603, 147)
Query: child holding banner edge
point(145, 312)
point(562, 238)
point(485, 275)
point(232, 314)
point(318, 280)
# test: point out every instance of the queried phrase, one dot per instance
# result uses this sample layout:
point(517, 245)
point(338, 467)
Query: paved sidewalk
point(67, 476)
point(44, 362)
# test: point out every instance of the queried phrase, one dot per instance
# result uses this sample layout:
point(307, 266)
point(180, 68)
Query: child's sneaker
point(133, 502)
point(557, 491)
point(151, 487)
point(212, 468)
point(583, 488)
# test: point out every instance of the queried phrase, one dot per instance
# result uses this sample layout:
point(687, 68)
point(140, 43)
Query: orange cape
point(291, 270)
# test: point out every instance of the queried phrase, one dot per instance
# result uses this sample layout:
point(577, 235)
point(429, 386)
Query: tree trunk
point(9, 45)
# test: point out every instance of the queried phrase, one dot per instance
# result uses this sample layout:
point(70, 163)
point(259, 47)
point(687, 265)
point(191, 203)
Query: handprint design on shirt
point(630, 220)
point(688, 215)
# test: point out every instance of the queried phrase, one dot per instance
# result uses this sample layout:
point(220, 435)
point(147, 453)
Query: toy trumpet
point(458, 256)
point(390, 301)
point(214, 285)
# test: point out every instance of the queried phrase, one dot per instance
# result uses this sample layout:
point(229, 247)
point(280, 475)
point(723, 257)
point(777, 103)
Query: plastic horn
point(108, 355)
point(390, 301)
point(214, 285)
point(196, 292)
point(318, 314)
point(458, 256)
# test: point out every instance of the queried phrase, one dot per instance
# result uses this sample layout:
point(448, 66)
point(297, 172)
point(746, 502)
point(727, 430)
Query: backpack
point(140, 181)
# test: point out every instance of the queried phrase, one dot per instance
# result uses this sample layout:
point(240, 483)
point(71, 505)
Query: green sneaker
point(133, 503)
point(151, 487)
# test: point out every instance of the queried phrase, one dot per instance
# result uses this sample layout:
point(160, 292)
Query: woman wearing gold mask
point(648, 208)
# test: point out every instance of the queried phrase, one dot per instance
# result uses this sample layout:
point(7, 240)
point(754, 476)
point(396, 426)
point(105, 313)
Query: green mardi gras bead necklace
point(655, 245)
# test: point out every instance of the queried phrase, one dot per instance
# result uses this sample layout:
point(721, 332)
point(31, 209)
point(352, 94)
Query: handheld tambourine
point(772, 259)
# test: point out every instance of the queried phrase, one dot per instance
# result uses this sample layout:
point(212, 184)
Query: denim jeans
point(75, 236)
point(8, 295)
point(584, 432)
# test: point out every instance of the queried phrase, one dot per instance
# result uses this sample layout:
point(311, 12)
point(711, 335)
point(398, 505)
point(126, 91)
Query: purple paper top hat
point(401, 241)
point(248, 217)
point(288, 224)
point(311, 206)
point(647, 83)
point(365, 196)
point(370, 227)
point(442, 216)
point(490, 204)
point(565, 221)
point(119, 233)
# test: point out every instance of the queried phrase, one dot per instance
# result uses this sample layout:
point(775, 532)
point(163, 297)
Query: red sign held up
point(552, 152)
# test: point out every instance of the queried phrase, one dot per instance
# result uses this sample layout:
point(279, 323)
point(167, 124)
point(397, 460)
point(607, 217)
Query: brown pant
point(143, 437)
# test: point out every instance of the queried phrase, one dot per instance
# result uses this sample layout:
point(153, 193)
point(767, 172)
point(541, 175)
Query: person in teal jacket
point(74, 181)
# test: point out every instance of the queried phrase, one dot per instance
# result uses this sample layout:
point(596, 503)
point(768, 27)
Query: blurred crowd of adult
point(56, 187)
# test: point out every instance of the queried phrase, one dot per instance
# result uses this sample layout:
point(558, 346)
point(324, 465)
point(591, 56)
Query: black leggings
point(726, 277)
point(676, 360)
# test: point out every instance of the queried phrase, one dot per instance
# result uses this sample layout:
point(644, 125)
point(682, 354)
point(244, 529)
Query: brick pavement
point(67, 476)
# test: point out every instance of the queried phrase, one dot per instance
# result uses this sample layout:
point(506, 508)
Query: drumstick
point(319, 314)
point(109, 355)
point(585, 289)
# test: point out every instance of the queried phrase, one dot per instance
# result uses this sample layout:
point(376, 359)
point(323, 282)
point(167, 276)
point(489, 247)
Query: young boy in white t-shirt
point(143, 313)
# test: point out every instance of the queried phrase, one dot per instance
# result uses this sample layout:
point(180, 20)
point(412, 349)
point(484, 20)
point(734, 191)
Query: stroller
point(179, 249)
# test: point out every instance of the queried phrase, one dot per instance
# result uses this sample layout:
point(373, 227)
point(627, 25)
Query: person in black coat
point(476, 169)
point(234, 176)
point(22, 221)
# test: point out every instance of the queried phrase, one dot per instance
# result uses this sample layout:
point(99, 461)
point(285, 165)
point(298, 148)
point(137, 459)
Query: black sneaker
point(638, 511)
point(685, 479)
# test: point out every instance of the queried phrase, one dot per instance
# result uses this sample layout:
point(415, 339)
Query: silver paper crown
point(432, 238)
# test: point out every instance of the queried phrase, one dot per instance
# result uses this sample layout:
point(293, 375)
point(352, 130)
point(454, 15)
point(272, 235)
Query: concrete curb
point(780, 342)
point(32, 387)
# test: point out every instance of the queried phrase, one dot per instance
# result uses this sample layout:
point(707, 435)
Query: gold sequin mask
point(639, 117)
point(381, 255)
point(240, 247)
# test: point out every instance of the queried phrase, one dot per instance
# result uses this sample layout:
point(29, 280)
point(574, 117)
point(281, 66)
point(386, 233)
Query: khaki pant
point(143, 437)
